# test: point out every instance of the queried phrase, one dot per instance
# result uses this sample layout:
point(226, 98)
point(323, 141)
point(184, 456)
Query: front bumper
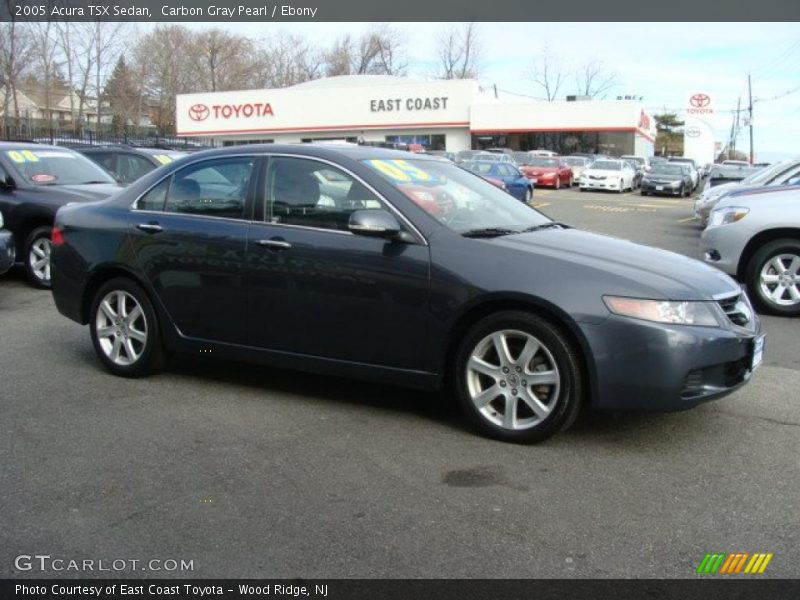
point(7, 250)
point(542, 181)
point(599, 184)
point(666, 188)
point(722, 246)
point(647, 366)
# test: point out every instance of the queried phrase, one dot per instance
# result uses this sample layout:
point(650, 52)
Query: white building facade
point(439, 115)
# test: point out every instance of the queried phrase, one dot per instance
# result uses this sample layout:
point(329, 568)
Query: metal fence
point(65, 136)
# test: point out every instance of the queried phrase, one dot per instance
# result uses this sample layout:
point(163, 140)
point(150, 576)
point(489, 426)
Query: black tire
point(767, 253)
point(643, 193)
point(36, 238)
point(564, 405)
point(152, 357)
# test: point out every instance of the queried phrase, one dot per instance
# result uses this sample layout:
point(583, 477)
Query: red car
point(547, 171)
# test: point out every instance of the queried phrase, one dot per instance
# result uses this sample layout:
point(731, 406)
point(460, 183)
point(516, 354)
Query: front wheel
point(518, 377)
point(125, 330)
point(773, 277)
point(37, 257)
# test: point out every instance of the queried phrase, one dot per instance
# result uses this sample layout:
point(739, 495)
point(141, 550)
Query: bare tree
point(593, 79)
point(16, 46)
point(548, 73)
point(108, 41)
point(46, 57)
point(287, 60)
point(379, 51)
point(459, 52)
point(224, 60)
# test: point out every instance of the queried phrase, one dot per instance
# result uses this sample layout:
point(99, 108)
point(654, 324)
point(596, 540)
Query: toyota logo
point(693, 132)
point(199, 112)
point(700, 100)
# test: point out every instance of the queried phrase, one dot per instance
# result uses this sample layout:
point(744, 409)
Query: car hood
point(623, 267)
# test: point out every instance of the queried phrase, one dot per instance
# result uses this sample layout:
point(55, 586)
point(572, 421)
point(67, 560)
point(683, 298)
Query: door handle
point(274, 244)
point(149, 227)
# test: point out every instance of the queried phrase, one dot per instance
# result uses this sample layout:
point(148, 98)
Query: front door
point(319, 290)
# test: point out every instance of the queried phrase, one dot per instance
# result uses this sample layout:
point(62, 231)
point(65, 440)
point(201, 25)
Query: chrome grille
point(738, 310)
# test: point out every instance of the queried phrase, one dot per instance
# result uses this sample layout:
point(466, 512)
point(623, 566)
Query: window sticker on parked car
point(21, 156)
point(402, 171)
point(163, 158)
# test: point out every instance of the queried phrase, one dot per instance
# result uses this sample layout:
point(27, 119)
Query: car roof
point(329, 151)
point(30, 146)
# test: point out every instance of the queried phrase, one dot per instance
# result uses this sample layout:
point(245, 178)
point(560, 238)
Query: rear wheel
point(518, 378)
point(125, 330)
point(773, 277)
point(37, 257)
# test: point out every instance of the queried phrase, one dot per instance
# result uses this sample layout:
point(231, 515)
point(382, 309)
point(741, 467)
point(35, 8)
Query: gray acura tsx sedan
point(372, 263)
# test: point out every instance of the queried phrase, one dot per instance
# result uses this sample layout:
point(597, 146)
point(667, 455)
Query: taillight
point(56, 236)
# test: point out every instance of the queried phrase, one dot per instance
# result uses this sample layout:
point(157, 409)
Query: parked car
point(35, 180)
point(7, 249)
point(738, 163)
point(447, 280)
point(638, 172)
point(642, 163)
point(667, 178)
point(577, 164)
point(607, 174)
point(786, 172)
point(544, 153)
point(126, 163)
point(693, 169)
point(451, 156)
point(755, 235)
point(468, 155)
point(515, 182)
point(548, 171)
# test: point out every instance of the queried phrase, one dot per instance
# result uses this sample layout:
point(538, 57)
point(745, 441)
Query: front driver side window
point(313, 194)
point(214, 188)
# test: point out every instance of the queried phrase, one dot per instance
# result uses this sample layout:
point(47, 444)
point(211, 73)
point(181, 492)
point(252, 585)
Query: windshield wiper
point(488, 232)
point(548, 225)
point(91, 182)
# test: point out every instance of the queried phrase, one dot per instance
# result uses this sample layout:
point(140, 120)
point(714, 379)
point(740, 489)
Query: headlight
point(663, 311)
point(727, 215)
point(1, 220)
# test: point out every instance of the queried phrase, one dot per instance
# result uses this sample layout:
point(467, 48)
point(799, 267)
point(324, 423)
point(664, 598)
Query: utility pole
point(736, 124)
point(750, 113)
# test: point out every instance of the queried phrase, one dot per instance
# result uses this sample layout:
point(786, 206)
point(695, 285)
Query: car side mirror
point(7, 183)
point(375, 223)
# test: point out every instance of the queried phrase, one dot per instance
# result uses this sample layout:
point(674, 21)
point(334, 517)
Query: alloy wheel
point(780, 279)
point(512, 379)
point(121, 327)
point(39, 259)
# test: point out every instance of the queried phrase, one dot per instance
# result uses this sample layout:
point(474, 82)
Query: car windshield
point(479, 166)
point(683, 161)
point(461, 201)
point(607, 165)
point(767, 174)
point(667, 170)
point(635, 159)
point(522, 158)
point(575, 162)
point(540, 161)
point(56, 167)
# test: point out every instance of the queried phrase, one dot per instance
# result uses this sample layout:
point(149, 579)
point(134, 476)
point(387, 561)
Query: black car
point(673, 179)
point(126, 163)
point(35, 181)
point(401, 268)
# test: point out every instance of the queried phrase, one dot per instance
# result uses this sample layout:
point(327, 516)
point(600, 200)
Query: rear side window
point(130, 167)
point(214, 188)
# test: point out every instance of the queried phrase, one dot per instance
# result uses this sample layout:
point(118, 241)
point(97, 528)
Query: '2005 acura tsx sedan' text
point(378, 264)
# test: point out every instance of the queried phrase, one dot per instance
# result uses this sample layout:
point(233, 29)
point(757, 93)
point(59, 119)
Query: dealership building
point(447, 115)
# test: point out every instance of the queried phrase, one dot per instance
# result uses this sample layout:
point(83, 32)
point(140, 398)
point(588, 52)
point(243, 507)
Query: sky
point(663, 62)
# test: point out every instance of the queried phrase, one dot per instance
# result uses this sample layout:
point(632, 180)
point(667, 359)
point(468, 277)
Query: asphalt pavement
point(253, 472)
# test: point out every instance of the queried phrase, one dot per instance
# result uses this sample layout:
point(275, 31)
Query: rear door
point(189, 236)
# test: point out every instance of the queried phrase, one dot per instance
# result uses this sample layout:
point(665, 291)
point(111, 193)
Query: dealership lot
point(250, 471)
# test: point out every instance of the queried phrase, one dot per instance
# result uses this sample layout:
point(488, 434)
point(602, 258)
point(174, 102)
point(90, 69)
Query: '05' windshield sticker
point(403, 171)
point(163, 158)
